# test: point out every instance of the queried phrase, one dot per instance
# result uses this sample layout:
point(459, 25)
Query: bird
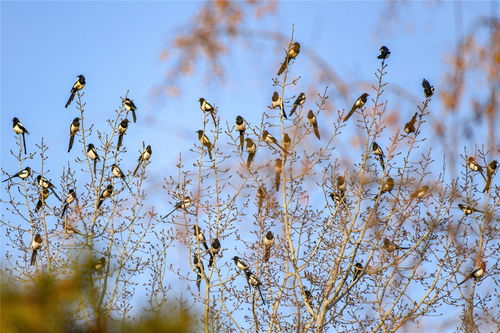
point(474, 166)
point(129, 105)
point(278, 168)
point(241, 127)
point(338, 197)
point(311, 118)
point(44, 194)
point(420, 192)
point(300, 100)
point(377, 151)
point(73, 129)
point(428, 89)
point(99, 264)
point(308, 296)
point(277, 101)
point(491, 168)
point(79, 84)
point(92, 153)
point(477, 272)
point(391, 246)
point(341, 184)
point(410, 126)
point(20, 129)
point(251, 149)
point(358, 269)
point(240, 263)
point(199, 236)
point(69, 199)
point(261, 196)
point(183, 204)
point(122, 128)
point(45, 183)
point(36, 244)
point(468, 209)
point(207, 107)
point(386, 187)
point(198, 264)
point(292, 53)
point(205, 142)
point(254, 282)
point(360, 102)
point(384, 53)
point(23, 174)
point(287, 142)
point(268, 138)
point(106, 193)
point(268, 243)
point(70, 230)
point(145, 155)
point(118, 173)
point(214, 250)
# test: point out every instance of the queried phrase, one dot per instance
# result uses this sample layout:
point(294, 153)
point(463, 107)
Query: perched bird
point(287, 142)
point(36, 244)
point(106, 193)
point(391, 246)
point(199, 236)
point(338, 197)
point(145, 155)
point(44, 194)
point(207, 107)
point(474, 166)
point(358, 269)
point(428, 89)
point(308, 296)
point(198, 264)
point(251, 149)
point(477, 272)
point(377, 151)
point(129, 105)
point(70, 230)
point(268, 138)
point(386, 187)
point(341, 184)
point(268, 243)
point(183, 204)
point(300, 100)
point(73, 129)
point(360, 102)
point(410, 126)
point(277, 101)
point(278, 168)
point(99, 265)
point(254, 282)
point(240, 263)
point(20, 129)
point(69, 199)
point(214, 250)
point(261, 196)
point(45, 183)
point(79, 84)
point(468, 209)
point(420, 192)
point(490, 171)
point(241, 127)
point(205, 142)
point(23, 174)
point(384, 53)
point(92, 154)
point(311, 118)
point(122, 128)
point(118, 173)
point(293, 51)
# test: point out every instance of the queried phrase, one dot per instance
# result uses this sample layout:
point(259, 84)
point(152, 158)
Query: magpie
point(69, 199)
point(118, 173)
point(386, 187)
point(44, 194)
point(278, 168)
point(106, 193)
point(251, 149)
point(199, 236)
point(214, 250)
point(268, 243)
point(292, 53)
point(92, 153)
point(241, 127)
point(145, 155)
point(277, 101)
point(73, 129)
point(384, 53)
point(20, 129)
point(183, 204)
point(490, 171)
point(254, 282)
point(477, 272)
point(377, 151)
point(79, 84)
point(205, 142)
point(360, 102)
point(23, 174)
point(122, 128)
point(391, 246)
point(428, 89)
point(410, 126)
point(45, 183)
point(207, 107)
point(300, 100)
point(129, 105)
point(311, 118)
point(36, 244)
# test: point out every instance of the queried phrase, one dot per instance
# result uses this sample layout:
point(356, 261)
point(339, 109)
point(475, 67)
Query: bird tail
point(65, 206)
point(283, 112)
point(127, 185)
point(55, 194)
point(101, 200)
point(170, 213)
point(95, 165)
point(137, 168)
point(262, 297)
point(250, 159)
point(350, 113)
point(267, 253)
point(480, 171)
point(3, 181)
point(277, 181)
point(33, 257)
point(212, 113)
point(24, 144)
point(381, 160)
point(242, 139)
point(70, 99)
point(280, 146)
point(488, 184)
point(198, 279)
point(283, 66)
point(133, 115)
point(39, 205)
point(205, 245)
point(210, 153)
point(71, 140)
point(292, 111)
point(211, 260)
point(316, 130)
point(120, 139)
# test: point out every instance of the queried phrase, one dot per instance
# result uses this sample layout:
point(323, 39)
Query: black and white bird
point(254, 282)
point(145, 156)
point(77, 86)
point(23, 174)
point(20, 129)
point(360, 102)
point(240, 263)
point(377, 151)
point(358, 269)
point(277, 102)
point(241, 127)
point(92, 154)
point(477, 272)
point(106, 193)
point(122, 128)
point(468, 209)
point(44, 194)
point(268, 243)
point(207, 107)
point(183, 204)
point(269, 139)
point(311, 119)
point(214, 250)
point(292, 53)
point(99, 265)
point(205, 142)
point(73, 129)
point(387, 186)
point(36, 245)
point(491, 168)
point(198, 264)
point(410, 126)
point(199, 236)
point(69, 199)
point(45, 183)
point(299, 101)
point(118, 173)
point(251, 149)
point(278, 168)
point(428, 89)
point(129, 105)
point(384, 53)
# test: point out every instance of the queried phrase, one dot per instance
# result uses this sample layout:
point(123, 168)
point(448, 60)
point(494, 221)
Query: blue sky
point(116, 45)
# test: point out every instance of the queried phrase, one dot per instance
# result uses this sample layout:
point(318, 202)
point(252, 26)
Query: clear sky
point(117, 46)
